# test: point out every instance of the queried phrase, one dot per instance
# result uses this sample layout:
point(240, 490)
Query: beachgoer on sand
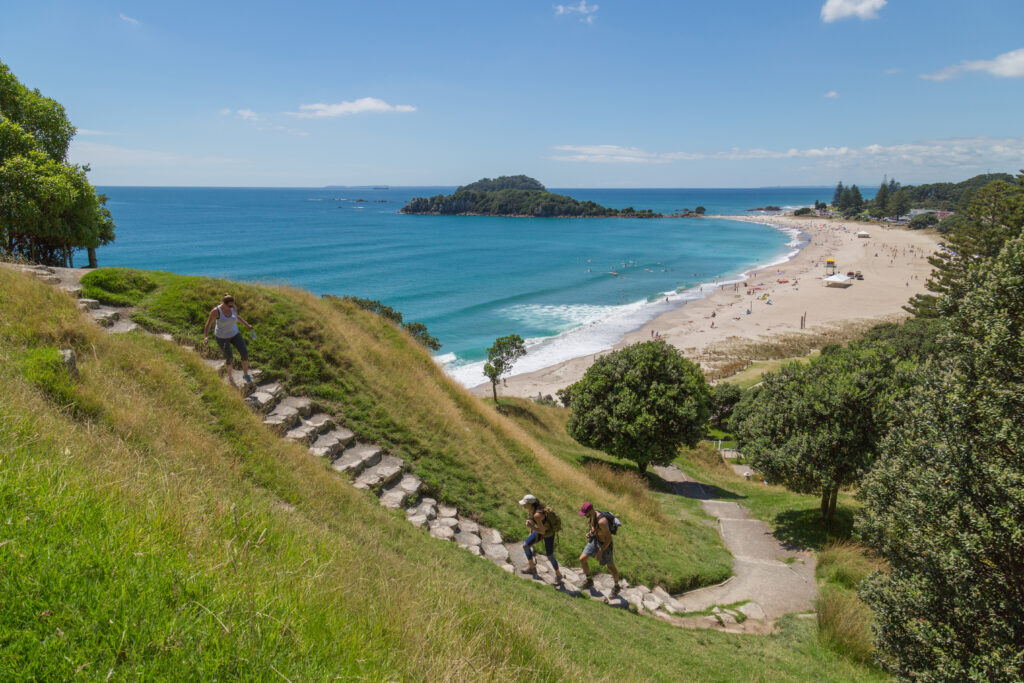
point(599, 544)
point(224, 317)
point(543, 524)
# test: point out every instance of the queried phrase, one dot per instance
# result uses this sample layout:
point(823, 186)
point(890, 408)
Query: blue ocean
point(568, 286)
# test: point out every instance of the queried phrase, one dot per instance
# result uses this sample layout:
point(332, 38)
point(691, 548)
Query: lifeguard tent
point(863, 234)
point(838, 280)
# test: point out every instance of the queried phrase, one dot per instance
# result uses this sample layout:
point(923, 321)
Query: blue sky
point(608, 93)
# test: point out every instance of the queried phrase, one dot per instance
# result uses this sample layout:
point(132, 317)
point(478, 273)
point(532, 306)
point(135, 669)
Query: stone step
point(88, 304)
point(215, 364)
point(422, 512)
point(245, 386)
point(264, 397)
point(321, 422)
point(357, 458)
point(303, 405)
point(104, 317)
point(123, 325)
point(330, 444)
point(383, 473)
point(47, 278)
point(281, 419)
point(303, 434)
point(395, 495)
point(73, 290)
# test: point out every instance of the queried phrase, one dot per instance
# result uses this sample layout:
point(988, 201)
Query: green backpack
point(551, 520)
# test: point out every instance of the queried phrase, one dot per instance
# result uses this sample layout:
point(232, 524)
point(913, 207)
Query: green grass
point(727, 439)
point(167, 535)
point(752, 374)
point(117, 286)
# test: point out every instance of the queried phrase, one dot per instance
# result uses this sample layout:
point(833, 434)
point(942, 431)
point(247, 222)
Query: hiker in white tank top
point(224, 317)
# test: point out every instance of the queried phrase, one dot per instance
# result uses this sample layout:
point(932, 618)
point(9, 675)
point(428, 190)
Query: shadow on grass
point(518, 413)
point(803, 529)
point(691, 489)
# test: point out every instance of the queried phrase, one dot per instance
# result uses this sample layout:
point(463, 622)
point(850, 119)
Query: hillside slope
point(153, 528)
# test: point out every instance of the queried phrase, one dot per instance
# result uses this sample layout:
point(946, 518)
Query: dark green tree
point(899, 204)
point(838, 194)
point(945, 504)
point(881, 201)
point(856, 200)
point(815, 427)
point(639, 403)
point(995, 215)
point(724, 397)
point(500, 358)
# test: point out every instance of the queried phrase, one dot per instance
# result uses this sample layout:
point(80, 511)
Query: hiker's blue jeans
point(549, 548)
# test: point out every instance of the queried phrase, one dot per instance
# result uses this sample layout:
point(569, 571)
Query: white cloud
point(832, 95)
point(1008, 65)
point(892, 71)
point(128, 20)
point(247, 115)
point(954, 152)
point(585, 11)
point(90, 132)
point(834, 10)
point(360, 106)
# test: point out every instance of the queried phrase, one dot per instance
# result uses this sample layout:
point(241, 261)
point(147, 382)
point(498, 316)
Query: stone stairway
point(370, 468)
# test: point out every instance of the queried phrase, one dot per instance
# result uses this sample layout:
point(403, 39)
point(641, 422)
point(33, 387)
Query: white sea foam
point(589, 328)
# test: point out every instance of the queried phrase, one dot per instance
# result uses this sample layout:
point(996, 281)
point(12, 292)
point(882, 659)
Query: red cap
point(585, 509)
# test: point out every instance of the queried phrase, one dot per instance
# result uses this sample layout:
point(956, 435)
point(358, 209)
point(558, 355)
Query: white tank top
point(226, 327)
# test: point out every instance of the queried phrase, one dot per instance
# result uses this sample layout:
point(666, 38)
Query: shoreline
point(893, 260)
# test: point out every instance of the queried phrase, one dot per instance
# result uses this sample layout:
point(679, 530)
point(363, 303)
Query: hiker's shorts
point(593, 546)
point(549, 547)
point(238, 342)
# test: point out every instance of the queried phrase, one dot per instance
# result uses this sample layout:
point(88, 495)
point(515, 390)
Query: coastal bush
point(640, 402)
point(117, 286)
point(803, 211)
point(817, 426)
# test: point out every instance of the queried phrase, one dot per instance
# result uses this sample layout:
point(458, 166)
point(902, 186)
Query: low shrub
point(44, 368)
point(117, 286)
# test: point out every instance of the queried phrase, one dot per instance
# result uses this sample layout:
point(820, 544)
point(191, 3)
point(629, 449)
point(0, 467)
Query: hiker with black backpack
point(599, 544)
point(544, 524)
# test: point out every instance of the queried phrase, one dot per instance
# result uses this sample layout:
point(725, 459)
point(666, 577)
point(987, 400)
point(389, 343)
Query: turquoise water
point(469, 279)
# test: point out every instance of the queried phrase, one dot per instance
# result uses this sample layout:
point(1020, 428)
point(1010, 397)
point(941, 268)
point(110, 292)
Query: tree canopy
point(48, 208)
point(500, 358)
point(816, 426)
point(639, 403)
point(945, 504)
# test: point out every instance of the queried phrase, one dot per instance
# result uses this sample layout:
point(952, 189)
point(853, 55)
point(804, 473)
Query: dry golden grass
point(844, 623)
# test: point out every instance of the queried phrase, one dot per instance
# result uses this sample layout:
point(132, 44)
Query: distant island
point(518, 196)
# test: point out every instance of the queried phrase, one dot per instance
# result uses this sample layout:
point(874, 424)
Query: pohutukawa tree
point(816, 427)
point(640, 403)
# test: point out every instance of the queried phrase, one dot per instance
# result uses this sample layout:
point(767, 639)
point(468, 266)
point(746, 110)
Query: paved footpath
point(772, 578)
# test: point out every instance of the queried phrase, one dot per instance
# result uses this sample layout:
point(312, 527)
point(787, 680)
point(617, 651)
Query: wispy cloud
point(91, 132)
point(892, 71)
point(953, 152)
point(129, 20)
point(834, 10)
point(361, 106)
point(247, 115)
point(585, 11)
point(97, 155)
point(1008, 65)
point(832, 95)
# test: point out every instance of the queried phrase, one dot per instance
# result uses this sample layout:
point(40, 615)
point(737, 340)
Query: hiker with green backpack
point(544, 524)
point(599, 543)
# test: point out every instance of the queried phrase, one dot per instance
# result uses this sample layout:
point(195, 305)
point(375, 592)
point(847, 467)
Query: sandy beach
point(892, 260)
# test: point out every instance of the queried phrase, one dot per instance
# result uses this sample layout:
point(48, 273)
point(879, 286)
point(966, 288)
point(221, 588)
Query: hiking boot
point(589, 583)
point(615, 590)
point(247, 377)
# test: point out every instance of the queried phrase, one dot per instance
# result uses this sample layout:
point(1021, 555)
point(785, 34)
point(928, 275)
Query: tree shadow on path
point(692, 489)
point(804, 530)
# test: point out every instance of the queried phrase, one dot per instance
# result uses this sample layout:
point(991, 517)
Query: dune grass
point(163, 534)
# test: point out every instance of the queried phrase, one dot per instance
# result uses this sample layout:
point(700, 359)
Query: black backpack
point(613, 522)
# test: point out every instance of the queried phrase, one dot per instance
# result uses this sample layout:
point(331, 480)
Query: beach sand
point(893, 261)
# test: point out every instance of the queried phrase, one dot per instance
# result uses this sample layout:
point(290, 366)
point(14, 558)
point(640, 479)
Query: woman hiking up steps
point(224, 317)
point(542, 527)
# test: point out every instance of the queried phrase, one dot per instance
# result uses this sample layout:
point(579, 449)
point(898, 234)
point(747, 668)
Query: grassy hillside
point(390, 391)
point(153, 529)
